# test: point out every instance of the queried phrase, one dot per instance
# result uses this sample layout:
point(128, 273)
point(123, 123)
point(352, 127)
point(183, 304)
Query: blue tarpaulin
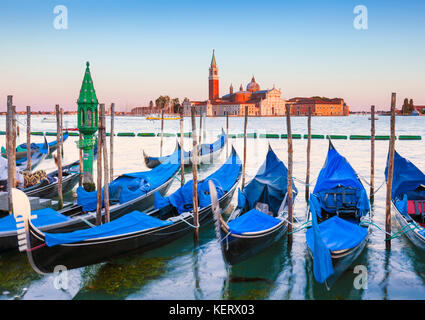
point(252, 221)
point(338, 172)
point(132, 185)
point(224, 179)
point(406, 177)
point(129, 223)
point(45, 217)
point(268, 186)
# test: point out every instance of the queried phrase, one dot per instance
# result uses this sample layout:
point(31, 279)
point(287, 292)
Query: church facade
point(258, 102)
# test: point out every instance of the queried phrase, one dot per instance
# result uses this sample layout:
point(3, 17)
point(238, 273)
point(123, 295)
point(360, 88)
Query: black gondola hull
point(237, 249)
point(413, 235)
point(51, 191)
point(95, 251)
point(8, 240)
point(341, 262)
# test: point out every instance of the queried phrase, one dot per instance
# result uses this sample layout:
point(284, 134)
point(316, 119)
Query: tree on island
point(162, 102)
point(407, 107)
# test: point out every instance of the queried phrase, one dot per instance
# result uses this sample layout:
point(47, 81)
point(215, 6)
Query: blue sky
point(139, 50)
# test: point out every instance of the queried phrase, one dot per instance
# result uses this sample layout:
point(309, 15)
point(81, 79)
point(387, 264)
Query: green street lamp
point(87, 125)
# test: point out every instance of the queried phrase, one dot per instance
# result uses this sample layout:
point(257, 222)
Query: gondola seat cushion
point(252, 221)
point(338, 234)
point(129, 223)
point(45, 217)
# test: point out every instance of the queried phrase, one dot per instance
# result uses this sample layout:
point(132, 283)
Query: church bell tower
point(213, 80)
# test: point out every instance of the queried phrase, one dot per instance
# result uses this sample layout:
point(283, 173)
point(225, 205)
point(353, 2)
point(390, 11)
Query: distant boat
point(48, 120)
point(166, 117)
point(376, 118)
point(414, 113)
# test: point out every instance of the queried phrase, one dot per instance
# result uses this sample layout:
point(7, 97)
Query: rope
point(395, 235)
point(193, 226)
point(37, 247)
point(378, 188)
point(303, 182)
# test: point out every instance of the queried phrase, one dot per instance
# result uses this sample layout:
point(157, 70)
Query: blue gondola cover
point(224, 178)
point(269, 184)
point(129, 223)
point(252, 221)
point(406, 176)
point(45, 217)
point(132, 185)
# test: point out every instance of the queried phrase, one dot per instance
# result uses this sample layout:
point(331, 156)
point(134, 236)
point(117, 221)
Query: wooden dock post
point(105, 161)
point(14, 130)
point(307, 178)
point(227, 134)
point(244, 147)
point(162, 130)
point(181, 147)
point(289, 188)
point(195, 178)
point(111, 141)
point(28, 138)
point(372, 155)
point(99, 176)
point(62, 152)
point(390, 173)
point(200, 130)
point(11, 160)
point(59, 155)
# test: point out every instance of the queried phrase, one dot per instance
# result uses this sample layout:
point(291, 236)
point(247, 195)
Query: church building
point(267, 102)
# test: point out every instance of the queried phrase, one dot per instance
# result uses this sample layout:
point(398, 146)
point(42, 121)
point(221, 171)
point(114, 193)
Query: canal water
point(180, 271)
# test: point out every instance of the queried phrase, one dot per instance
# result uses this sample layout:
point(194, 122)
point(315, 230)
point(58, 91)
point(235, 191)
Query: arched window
point(89, 118)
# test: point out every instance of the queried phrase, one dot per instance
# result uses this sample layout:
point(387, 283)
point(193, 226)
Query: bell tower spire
point(213, 80)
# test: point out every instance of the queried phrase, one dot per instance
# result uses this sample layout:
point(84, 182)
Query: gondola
point(52, 145)
point(21, 150)
point(259, 220)
point(133, 232)
point(208, 152)
point(408, 199)
point(338, 206)
point(128, 192)
point(36, 158)
point(48, 188)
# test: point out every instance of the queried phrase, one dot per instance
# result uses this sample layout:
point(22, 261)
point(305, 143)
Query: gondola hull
point(50, 191)
point(8, 239)
point(413, 234)
point(235, 249)
point(342, 261)
point(99, 250)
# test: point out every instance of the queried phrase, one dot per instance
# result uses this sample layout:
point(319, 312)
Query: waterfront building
point(267, 102)
point(319, 106)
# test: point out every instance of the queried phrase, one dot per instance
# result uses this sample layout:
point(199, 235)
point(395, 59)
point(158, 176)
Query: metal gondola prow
point(21, 209)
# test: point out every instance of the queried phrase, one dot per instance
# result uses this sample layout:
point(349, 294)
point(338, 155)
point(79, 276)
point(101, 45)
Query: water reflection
point(255, 277)
point(16, 275)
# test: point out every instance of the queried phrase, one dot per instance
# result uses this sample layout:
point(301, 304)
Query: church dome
point(253, 86)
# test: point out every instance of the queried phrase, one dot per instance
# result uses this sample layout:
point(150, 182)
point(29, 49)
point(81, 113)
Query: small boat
point(36, 158)
point(338, 206)
point(408, 199)
point(208, 152)
point(128, 192)
point(52, 145)
point(166, 117)
point(132, 233)
point(48, 120)
point(376, 118)
point(260, 219)
point(21, 150)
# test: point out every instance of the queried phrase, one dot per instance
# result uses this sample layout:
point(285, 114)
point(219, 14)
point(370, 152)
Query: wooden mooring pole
point(195, 178)
point(290, 162)
point(372, 155)
point(244, 147)
point(227, 134)
point(59, 155)
point(162, 130)
point(111, 142)
point(11, 160)
point(307, 178)
point(200, 129)
point(181, 147)
point(28, 138)
point(390, 174)
point(105, 161)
